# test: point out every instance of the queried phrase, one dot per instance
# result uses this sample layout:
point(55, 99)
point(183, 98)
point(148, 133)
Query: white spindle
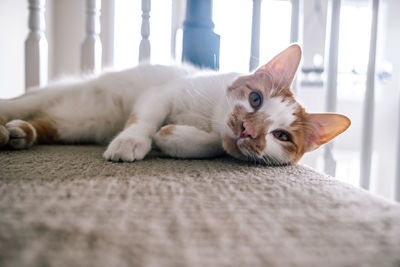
point(397, 177)
point(144, 48)
point(332, 52)
point(255, 35)
point(177, 18)
point(91, 48)
point(107, 32)
point(294, 30)
point(36, 47)
point(368, 119)
point(295, 19)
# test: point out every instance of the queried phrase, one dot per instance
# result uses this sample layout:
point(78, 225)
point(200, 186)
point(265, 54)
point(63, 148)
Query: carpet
point(66, 206)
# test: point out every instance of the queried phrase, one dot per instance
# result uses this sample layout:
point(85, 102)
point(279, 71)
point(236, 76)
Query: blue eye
point(255, 99)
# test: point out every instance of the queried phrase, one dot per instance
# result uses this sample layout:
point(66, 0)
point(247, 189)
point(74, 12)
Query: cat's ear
point(323, 127)
point(282, 68)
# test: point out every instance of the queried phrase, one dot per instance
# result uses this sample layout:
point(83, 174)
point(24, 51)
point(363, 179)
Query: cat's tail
point(24, 107)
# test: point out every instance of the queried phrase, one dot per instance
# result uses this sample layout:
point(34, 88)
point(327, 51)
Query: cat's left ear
point(282, 68)
point(323, 127)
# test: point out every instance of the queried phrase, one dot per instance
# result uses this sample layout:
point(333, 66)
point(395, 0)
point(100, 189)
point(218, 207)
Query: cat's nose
point(247, 131)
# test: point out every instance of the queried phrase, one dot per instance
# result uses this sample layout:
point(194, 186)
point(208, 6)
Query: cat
point(184, 111)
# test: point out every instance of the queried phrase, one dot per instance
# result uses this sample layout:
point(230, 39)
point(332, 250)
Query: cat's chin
point(230, 146)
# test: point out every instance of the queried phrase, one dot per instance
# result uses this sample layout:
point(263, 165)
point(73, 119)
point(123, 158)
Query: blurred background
point(65, 32)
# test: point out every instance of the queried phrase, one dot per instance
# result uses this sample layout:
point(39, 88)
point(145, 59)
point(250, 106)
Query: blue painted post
point(200, 44)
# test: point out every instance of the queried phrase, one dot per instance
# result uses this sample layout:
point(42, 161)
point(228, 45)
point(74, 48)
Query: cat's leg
point(130, 145)
point(23, 134)
point(185, 141)
point(134, 142)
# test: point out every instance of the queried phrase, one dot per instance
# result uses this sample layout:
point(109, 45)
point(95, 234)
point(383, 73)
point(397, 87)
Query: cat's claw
point(127, 149)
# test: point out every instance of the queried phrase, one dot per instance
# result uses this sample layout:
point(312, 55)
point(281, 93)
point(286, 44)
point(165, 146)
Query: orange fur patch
point(230, 147)
point(259, 124)
point(236, 118)
point(4, 136)
point(45, 129)
point(131, 120)
point(2, 121)
point(255, 146)
point(166, 130)
point(28, 131)
point(299, 131)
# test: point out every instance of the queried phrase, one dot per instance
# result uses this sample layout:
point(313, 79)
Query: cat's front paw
point(127, 148)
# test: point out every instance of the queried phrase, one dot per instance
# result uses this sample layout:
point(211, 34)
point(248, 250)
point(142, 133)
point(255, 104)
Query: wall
point(67, 38)
point(14, 29)
point(65, 31)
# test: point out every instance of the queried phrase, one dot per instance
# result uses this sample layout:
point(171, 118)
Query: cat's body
point(93, 110)
point(184, 111)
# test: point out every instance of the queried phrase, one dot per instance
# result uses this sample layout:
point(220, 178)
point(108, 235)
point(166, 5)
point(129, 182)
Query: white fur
point(281, 112)
point(189, 142)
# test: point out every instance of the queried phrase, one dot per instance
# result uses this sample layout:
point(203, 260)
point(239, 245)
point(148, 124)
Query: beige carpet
point(66, 206)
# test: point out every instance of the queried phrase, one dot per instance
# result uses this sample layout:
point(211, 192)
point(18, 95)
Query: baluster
point(200, 44)
point(107, 32)
point(144, 48)
point(397, 177)
point(295, 19)
point(91, 48)
point(177, 18)
point(36, 47)
point(294, 30)
point(332, 73)
point(369, 103)
point(255, 35)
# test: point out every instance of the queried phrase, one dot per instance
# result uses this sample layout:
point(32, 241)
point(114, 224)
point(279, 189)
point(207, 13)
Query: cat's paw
point(4, 136)
point(127, 148)
point(21, 134)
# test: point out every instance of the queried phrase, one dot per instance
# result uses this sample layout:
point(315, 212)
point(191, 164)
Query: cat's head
point(265, 122)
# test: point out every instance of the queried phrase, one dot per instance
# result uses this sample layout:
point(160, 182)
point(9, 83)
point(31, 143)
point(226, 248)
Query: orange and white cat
point(185, 112)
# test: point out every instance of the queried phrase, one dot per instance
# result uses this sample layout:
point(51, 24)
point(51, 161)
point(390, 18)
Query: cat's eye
point(255, 99)
point(282, 135)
